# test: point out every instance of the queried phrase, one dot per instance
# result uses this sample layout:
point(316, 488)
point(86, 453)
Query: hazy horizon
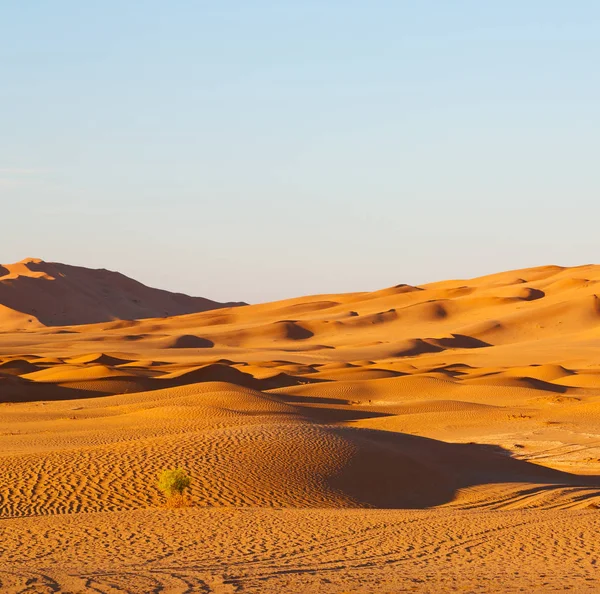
point(284, 297)
point(259, 151)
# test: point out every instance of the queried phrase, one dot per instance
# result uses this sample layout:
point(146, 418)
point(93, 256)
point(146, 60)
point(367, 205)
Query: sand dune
point(455, 400)
point(34, 292)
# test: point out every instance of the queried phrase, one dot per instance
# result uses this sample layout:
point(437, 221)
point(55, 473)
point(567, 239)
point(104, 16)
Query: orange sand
point(464, 414)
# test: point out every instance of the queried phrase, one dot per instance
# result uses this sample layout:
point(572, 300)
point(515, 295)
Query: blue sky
point(258, 150)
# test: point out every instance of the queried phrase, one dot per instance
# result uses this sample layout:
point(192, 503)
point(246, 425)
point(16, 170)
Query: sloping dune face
point(34, 293)
point(335, 400)
point(459, 395)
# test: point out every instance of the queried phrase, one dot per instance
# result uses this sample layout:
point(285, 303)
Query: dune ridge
point(34, 293)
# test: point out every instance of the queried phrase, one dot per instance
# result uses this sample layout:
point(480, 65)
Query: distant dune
point(34, 293)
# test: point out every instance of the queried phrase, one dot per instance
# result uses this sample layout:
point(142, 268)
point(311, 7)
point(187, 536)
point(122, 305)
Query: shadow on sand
point(395, 470)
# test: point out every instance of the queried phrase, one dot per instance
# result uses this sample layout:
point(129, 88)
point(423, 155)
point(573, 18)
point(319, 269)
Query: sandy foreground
point(436, 438)
point(261, 550)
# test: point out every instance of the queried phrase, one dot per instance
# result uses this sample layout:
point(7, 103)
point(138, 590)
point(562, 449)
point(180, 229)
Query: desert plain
point(434, 438)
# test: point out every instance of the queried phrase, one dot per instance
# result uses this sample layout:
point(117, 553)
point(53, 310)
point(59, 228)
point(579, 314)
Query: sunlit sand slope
point(336, 400)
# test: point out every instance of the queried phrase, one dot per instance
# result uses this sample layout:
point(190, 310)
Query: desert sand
point(35, 293)
point(444, 437)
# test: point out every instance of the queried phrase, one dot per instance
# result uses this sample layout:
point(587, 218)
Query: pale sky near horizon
point(255, 150)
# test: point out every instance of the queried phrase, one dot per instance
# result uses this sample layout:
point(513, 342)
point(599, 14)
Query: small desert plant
point(173, 483)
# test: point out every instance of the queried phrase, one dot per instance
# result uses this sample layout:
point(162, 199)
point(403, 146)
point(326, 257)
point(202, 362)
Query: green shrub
point(173, 482)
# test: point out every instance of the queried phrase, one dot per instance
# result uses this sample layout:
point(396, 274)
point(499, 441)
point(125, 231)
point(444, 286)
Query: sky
point(256, 150)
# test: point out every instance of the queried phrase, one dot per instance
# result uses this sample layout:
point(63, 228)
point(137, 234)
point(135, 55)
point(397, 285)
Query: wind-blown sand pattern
point(433, 438)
